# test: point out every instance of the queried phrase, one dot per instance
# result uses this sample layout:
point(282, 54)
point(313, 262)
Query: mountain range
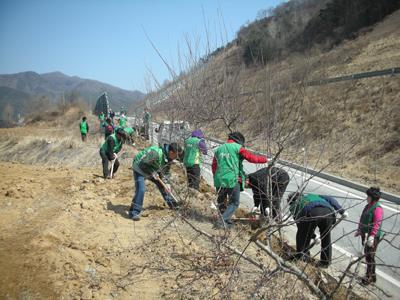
point(21, 92)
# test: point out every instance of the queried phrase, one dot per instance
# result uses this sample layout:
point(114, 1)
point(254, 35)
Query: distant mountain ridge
point(25, 86)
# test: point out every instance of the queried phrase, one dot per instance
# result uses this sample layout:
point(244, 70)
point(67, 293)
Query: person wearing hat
point(153, 163)
point(268, 186)
point(195, 146)
point(109, 150)
point(370, 231)
point(227, 168)
point(309, 212)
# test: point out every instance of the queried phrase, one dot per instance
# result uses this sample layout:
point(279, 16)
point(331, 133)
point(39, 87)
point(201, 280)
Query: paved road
point(345, 245)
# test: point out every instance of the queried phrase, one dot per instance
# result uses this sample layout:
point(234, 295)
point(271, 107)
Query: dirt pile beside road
point(66, 233)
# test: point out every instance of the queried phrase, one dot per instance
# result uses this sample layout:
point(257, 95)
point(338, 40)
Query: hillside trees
point(341, 19)
point(303, 24)
point(270, 37)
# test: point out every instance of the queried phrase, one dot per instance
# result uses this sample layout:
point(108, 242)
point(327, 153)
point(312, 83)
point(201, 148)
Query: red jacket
point(247, 155)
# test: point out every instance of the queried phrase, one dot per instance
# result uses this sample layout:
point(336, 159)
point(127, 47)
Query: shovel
point(112, 166)
point(165, 187)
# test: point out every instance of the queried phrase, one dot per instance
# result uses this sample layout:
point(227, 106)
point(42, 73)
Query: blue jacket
point(329, 202)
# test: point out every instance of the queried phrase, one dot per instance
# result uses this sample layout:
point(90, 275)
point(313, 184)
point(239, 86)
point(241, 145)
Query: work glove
point(114, 156)
point(212, 206)
point(168, 188)
point(255, 210)
point(317, 239)
point(267, 211)
point(370, 241)
point(345, 215)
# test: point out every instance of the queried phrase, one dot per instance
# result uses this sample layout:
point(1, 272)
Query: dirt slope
point(66, 234)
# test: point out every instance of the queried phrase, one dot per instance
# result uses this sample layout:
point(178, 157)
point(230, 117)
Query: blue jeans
point(140, 189)
point(234, 200)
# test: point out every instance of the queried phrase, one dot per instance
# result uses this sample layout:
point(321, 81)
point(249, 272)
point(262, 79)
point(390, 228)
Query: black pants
point(370, 259)
point(193, 176)
point(105, 161)
point(83, 136)
point(323, 218)
point(272, 200)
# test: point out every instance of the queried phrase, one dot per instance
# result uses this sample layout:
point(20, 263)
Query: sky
point(111, 41)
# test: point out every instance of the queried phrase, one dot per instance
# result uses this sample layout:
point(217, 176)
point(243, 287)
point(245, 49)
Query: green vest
point(129, 130)
point(101, 117)
point(117, 144)
point(297, 206)
point(83, 127)
point(227, 172)
point(149, 160)
point(192, 152)
point(147, 117)
point(122, 122)
point(367, 222)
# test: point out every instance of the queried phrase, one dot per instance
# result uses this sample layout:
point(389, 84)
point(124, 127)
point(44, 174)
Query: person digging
point(108, 152)
point(153, 163)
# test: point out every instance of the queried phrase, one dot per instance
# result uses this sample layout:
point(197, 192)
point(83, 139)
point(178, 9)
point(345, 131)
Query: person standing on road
point(109, 150)
point(195, 146)
point(311, 211)
point(227, 169)
point(84, 128)
point(370, 230)
point(268, 186)
point(153, 163)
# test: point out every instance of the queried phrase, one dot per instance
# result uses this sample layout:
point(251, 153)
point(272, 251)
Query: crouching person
point(130, 132)
point(152, 163)
point(311, 211)
point(268, 186)
point(109, 150)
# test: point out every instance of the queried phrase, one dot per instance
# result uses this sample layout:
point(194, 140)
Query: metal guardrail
point(356, 76)
point(391, 71)
point(350, 184)
point(356, 186)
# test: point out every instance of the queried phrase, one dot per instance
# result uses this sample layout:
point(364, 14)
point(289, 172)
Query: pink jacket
point(376, 218)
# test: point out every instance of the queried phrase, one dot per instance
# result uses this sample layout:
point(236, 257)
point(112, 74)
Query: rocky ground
point(66, 233)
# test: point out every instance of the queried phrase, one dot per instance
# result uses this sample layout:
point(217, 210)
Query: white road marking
point(345, 192)
point(379, 272)
point(338, 248)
